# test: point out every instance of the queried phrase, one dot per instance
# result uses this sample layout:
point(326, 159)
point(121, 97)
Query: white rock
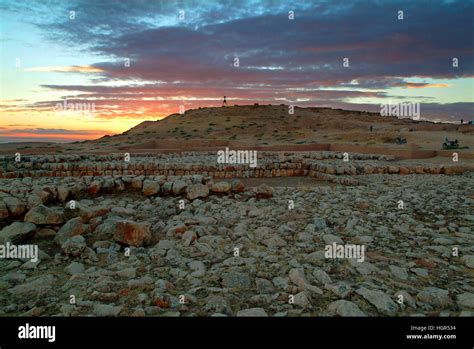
point(345, 308)
point(106, 310)
point(75, 268)
point(435, 296)
point(466, 300)
point(72, 228)
point(252, 312)
point(398, 272)
point(301, 300)
point(380, 300)
point(195, 191)
point(321, 276)
point(297, 277)
point(150, 187)
point(17, 231)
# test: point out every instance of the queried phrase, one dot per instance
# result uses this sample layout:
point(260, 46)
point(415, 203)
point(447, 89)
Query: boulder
point(237, 186)
point(380, 300)
point(63, 193)
point(195, 191)
point(137, 183)
point(132, 233)
point(252, 312)
point(188, 237)
point(72, 228)
point(393, 169)
point(297, 277)
point(106, 229)
point(469, 261)
point(435, 297)
point(74, 246)
point(466, 300)
point(166, 188)
point(38, 197)
point(15, 206)
point(106, 310)
point(43, 215)
point(150, 187)
point(3, 210)
point(300, 299)
point(179, 187)
point(404, 171)
point(75, 268)
point(17, 231)
point(221, 187)
point(345, 308)
point(263, 191)
point(94, 188)
point(86, 212)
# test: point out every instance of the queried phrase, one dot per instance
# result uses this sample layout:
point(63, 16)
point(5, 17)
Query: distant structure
point(224, 102)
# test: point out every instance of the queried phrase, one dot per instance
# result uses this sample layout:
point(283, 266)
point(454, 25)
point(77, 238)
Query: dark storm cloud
point(279, 58)
point(309, 49)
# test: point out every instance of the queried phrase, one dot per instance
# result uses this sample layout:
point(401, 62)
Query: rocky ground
point(193, 246)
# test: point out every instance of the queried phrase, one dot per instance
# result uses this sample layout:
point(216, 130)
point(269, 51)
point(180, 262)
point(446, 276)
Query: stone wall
point(270, 164)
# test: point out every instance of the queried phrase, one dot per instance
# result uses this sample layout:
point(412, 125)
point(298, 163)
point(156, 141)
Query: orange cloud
point(56, 136)
point(67, 69)
point(418, 85)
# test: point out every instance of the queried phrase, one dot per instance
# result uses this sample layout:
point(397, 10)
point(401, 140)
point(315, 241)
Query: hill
point(269, 125)
point(266, 126)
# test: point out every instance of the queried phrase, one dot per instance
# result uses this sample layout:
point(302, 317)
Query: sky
point(75, 70)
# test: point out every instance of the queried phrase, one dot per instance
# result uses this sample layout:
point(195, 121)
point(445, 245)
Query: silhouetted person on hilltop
point(224, 102)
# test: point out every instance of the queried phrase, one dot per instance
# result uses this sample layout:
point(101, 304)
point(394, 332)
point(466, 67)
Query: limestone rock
point(131, 233)
point(252, 312)
point(380, 300)
point(150, 187)
point(42, 215)
point(15, 206)
point(179, 187)
point(221, 187)
point(17, 232)
point(345, 308)
point(435, 296)
point(72, 228)
point(263, 191)
point(195, 191)
point(74, 246)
